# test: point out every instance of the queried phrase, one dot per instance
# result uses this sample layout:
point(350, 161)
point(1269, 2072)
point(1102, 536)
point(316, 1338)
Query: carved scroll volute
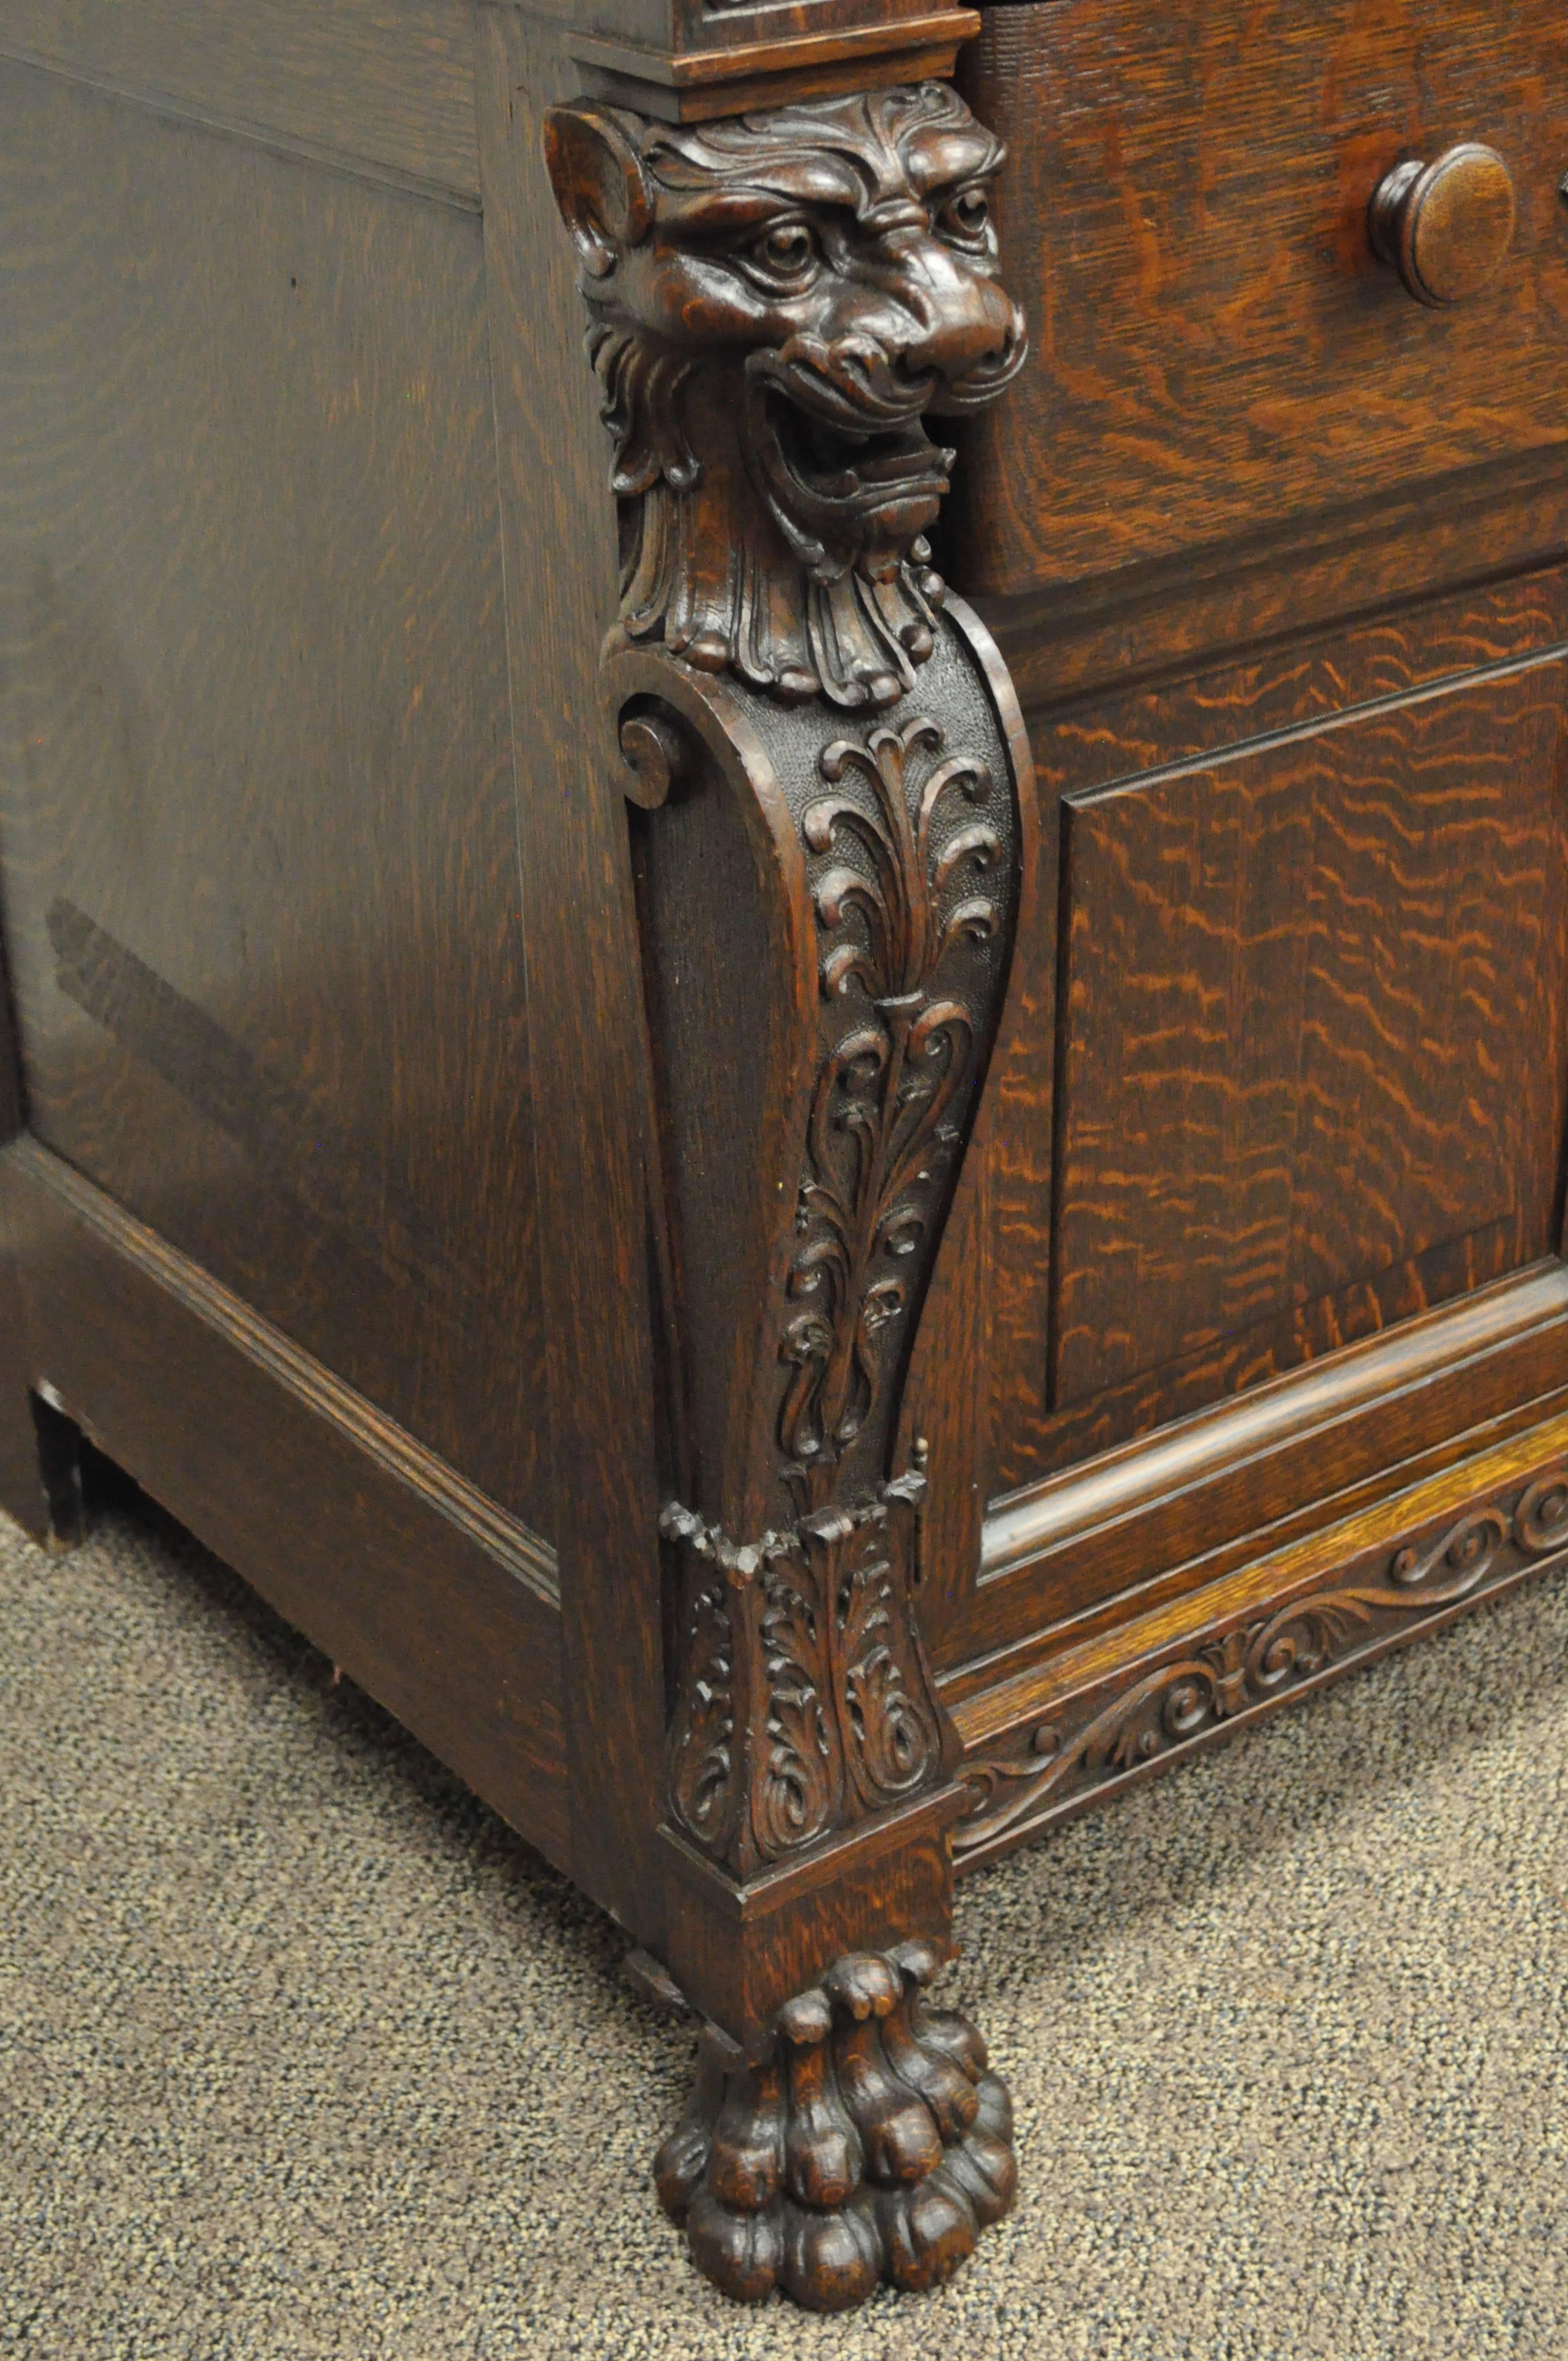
point(828, 880)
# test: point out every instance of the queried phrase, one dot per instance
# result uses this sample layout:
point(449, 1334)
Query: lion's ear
point(598, 182)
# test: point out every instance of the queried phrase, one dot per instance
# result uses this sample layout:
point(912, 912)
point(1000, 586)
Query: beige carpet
point(302, 2053)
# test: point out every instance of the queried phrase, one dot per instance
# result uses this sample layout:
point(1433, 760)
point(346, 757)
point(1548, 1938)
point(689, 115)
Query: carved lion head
point(778, 302)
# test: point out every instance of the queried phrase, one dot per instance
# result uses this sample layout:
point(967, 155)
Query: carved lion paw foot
point(867, 2142)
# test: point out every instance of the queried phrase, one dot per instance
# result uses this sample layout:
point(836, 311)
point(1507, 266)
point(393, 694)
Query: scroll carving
point(1234, 1672)
point(806, 1703)
point(775, 303)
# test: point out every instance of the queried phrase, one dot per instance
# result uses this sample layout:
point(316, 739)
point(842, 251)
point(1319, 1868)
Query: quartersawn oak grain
point(1290, 716)
point(1330, 1602)
point(1197, 900)
point(342, 1218)
point(1217, 345)
point(1289, 978)
point(1336, 568)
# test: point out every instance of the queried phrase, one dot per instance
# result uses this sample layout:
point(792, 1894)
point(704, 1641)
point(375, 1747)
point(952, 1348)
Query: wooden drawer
point(1216, 346)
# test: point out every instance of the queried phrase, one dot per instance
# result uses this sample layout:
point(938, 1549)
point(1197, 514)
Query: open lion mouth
point(871, 466)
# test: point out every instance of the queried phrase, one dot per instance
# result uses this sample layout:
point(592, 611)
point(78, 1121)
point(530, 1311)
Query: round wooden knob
point(1445, 227)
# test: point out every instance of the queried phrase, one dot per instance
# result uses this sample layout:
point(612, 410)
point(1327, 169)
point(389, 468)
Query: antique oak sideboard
point(813, 1233)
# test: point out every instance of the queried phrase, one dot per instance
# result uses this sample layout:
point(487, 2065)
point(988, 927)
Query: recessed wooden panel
point(384, 82)
point(256, 810)
point(1313, 1045)
point(1215, 345)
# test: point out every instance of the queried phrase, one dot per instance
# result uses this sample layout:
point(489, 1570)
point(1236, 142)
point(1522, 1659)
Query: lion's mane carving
point(777, 300)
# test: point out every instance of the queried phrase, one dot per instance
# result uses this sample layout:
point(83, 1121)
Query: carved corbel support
point(827, 912)
point(834, 823)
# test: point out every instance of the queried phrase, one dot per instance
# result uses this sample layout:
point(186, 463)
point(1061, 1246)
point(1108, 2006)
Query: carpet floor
point(302, 2052)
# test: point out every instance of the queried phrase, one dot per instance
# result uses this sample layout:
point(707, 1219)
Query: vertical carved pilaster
point(834, 767)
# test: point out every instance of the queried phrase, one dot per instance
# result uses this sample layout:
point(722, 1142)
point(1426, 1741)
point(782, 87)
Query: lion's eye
point(965, 218)
point(788, 251)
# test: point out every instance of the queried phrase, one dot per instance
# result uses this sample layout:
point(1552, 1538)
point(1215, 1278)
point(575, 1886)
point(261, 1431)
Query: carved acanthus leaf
point(882, 1152)
point(834, 1715)
point(777, 303)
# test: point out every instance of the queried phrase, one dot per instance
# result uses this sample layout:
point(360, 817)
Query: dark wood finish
point(699, 85)
point(1503, 1336)
point(689, 61)
point(1115, 1195)
point(849, 883)
point(268, 962)
point(23, 1491)
point(40, 1479)
point(583, 993)
point(744, 1948)
point(675, 29)
point(1048, 1743)
point(1282, 1122)
point(868, 2142)
point(1344, 565)
point(864, 873)
point(816, 1325)
point(1170, 1512)
point(435, 1602)
point(377, 85)
point(13, 1091)
point(1124, 732)
point(1082, 1575)
point(1217, 346)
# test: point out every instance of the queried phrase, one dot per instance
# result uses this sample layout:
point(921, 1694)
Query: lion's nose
point(970, 334)
point(983, 350)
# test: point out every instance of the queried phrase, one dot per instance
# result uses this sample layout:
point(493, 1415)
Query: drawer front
point(1216, 346)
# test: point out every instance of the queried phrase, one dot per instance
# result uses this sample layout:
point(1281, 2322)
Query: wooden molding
point(429, 1595)
point(1294, 1409)
point(1047, 1742)
point(698, 85)
point(1074, 1543)
point(527, 1558)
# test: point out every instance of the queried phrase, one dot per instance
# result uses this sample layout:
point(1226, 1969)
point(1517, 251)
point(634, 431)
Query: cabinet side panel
point(377, 81)
point(256, 810)
point(591, 1038)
